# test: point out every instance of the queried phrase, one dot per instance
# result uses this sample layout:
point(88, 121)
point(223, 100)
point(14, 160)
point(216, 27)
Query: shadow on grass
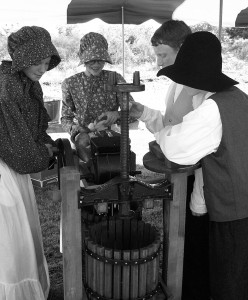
point(49, 212)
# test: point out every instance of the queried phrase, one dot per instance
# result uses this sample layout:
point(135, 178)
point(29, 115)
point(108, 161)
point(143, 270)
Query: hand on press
point(50, 149)
point(135, 109)
point(76, 129)
point(108, 118)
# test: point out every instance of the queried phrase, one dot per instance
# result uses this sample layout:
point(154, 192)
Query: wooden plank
point(141, 234)
point(147, 230)
point(143, 273)
point(134, 234)
point(126, 234)
point(158, 243)
point(111, 234)
point(176, 233)
point(93, 247)
point(166, 230)
point(84, 215)
point(149, 281)
point(71, 234)
point(126, 277)
point(86, 262)
point(89, 266)
point(104, 234)
point(108, 275)
point(117, 277)
point(98, 232)
point(100, 271)
point(134, 291)
point(118, 235)
point(155, 268)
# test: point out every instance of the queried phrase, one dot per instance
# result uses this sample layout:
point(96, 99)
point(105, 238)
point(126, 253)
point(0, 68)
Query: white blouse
point(198, 135)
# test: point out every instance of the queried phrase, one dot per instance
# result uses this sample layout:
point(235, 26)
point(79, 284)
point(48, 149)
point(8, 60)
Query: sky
point(193, 11)
point(49, 13)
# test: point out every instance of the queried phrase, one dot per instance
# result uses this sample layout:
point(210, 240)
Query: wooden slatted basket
point(122, 260)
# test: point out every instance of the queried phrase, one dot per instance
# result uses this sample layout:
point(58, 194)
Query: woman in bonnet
point(84, 98)
point(25, 148)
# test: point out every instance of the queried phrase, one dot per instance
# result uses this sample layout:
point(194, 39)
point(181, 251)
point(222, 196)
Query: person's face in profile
point(165, 55)
point(94, 67)
point(36, 71)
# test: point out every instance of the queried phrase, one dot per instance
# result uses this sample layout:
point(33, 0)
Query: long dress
point(21, 246)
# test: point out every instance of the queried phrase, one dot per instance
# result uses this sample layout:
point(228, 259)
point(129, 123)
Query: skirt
point(229, 260)
point(23, 267)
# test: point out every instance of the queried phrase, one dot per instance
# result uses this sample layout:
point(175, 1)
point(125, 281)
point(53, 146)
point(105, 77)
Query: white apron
point(23, 267)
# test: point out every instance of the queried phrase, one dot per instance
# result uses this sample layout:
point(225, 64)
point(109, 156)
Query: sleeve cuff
point(145, 115)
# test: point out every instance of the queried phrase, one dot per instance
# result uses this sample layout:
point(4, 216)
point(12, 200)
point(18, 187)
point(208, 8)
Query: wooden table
point(174, 213)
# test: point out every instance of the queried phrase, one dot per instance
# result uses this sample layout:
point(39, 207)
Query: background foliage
point(138, 50)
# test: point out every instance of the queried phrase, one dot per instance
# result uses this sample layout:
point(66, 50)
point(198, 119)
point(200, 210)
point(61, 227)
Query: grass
point(49, 211)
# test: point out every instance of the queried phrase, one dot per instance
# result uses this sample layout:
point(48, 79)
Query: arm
point(43, 126)
point(112, 115)
point(18, 149)
point(44, 118)
point(152, 118)
point(68, 108)
point(197, 202)
point(197, 136)
point(68, 111)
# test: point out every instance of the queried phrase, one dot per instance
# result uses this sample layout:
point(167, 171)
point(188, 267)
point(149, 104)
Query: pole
point(123, 44)
point(220, 19)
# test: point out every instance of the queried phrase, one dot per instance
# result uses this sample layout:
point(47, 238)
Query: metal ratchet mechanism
point(124, 189)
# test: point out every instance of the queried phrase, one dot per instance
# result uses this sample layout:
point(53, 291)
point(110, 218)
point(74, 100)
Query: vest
point(175, 111)
point(225, 172)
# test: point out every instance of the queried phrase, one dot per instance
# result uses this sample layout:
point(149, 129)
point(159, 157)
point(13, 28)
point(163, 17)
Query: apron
point(23, 267)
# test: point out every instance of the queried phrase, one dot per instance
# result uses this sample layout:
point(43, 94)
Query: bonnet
point(93, 46)
point(29, 45)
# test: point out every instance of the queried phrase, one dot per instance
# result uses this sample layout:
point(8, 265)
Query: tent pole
point(220, 18)
point(123, 44)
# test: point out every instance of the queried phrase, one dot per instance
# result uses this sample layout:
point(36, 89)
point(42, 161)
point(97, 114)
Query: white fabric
point(197, 200)
point(23, 267)
point(178, 90)
point(154, 123)
point(198, 135)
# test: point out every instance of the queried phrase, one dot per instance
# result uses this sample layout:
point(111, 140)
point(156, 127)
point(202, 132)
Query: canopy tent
point(242, 18)
point(125, 12)
point(121, 11)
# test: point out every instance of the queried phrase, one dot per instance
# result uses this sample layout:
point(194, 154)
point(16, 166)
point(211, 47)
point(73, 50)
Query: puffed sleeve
point(18, 149)
point(68, 108)
point(44, 117)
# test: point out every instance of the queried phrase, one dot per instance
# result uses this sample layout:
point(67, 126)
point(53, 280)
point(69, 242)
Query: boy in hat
point(166, 42)
point(215, 133)
point(84, 98)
